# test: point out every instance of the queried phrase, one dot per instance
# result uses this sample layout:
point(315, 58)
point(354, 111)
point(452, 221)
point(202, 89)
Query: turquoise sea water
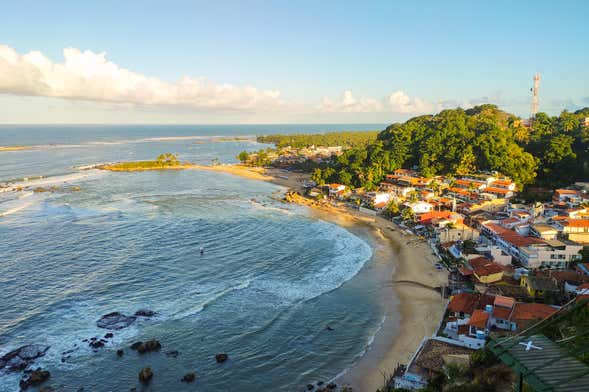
point(270, 281)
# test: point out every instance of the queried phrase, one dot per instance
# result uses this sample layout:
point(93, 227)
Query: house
point(503, 184)
point(432, 356)
point(502, 308)
point(544, 231)
point(539, 286)
point(466, 183)
point(500, 193)
point(463, 305)
point(567, 196)
point(576, 230)
point(420, 207)
point(526, 314)
point(478, 322)
point(532, 252)
point(336, 190)
point(485, 270)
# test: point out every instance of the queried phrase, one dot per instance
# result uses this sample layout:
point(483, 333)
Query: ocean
point(270, 281)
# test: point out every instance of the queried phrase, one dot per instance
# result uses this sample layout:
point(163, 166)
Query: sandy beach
point(412, 309)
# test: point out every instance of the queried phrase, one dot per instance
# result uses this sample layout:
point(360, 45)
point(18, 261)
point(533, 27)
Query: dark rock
point(93, 339)
point(310, 387)
point(220, 358)
point(319, 383)
point(329, 328)
point(172, 354)
point(22, 357)
point(115, 321)
point(96, 344)
point(85, 340)
point(331, 386)
point(145, 375)
point(145, 347)
point(188, 377)
point(120, 353)
point(37, 377)
point(109, 335)
point(144, 313)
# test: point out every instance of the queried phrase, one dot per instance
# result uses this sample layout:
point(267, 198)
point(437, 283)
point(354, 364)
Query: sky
point(285, 61)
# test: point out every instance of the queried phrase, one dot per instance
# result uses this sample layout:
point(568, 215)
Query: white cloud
point(89, 76)
point(397, 102)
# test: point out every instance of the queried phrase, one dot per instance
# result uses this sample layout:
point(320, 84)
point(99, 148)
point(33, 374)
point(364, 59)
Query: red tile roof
point(511, 236)
point(464, 302)
point(503, 301)
point(501, 313)
point(583, 223)
point(479, 319)
point(484, 267)
point(523, 313)
point(501, 191)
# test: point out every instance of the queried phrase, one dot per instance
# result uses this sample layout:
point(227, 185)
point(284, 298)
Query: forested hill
point(343, 138)
point(553, 152)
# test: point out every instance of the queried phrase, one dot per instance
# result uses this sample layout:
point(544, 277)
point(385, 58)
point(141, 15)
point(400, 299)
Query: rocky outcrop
point(115, 321)
point(36, 377)
point(220, 358)
point(188, 377)
point(145, 347)
point(145, 375)
point(120, 353)
point(22, 357)
point(145, 313)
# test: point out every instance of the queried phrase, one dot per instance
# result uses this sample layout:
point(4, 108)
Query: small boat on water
point(202, 250)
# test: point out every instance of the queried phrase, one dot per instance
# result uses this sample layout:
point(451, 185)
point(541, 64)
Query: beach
point(412, 310)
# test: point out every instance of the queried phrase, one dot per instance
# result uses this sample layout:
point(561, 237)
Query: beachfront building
point(420, 207)
point(432, 356)
point(532, 252)
point(337, 191)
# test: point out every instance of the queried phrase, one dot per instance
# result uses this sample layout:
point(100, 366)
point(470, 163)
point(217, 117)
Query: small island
point(167, 161)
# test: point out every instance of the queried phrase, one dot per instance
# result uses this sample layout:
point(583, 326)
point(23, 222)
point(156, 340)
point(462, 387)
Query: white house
point(420, 207)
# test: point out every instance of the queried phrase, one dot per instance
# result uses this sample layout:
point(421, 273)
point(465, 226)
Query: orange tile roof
point(566, 191)
point(505, 302)
point(577, 223)
point(479, 319)
point(511, 236)
point(525, 312)
point(428, 216)
point(502, 191)
point(501, 313)
point(484, 267)
point(503, 182)
point(464, 302)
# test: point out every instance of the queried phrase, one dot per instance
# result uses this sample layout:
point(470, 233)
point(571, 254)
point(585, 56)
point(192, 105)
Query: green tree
point(243, 156)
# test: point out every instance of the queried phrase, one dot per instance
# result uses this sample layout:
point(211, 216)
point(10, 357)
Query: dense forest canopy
point(344, 139)
point(553, 152)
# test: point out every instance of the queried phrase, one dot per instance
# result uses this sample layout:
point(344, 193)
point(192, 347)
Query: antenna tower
point(535, 98)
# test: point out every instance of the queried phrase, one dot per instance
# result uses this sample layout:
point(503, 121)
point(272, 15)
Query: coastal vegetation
point(552, 152)
point(344, 139)
point(163, 161)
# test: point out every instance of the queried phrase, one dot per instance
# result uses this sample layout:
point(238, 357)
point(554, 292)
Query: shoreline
point(411, 311)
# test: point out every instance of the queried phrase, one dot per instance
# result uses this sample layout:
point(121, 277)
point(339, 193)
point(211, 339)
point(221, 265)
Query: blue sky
point(330, 61)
